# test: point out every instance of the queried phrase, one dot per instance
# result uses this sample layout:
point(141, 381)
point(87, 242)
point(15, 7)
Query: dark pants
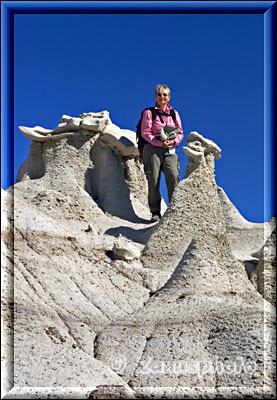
point(156, 160)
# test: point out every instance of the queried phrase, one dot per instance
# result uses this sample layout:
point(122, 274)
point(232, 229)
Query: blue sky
point(213, 64)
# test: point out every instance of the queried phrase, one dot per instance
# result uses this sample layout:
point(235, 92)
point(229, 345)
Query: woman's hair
point(165, 87)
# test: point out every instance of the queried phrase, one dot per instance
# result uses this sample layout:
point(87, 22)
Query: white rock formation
point(125, 250)
point(122, 140)
point(266, 269)
point(246, 238)
point(89, 317)
point(198, 150)
point(205, 326)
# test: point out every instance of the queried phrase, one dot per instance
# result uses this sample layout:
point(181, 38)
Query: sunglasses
point(163, 94)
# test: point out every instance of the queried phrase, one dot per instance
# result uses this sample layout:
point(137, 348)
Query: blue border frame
point(268, 8)
point(270, 109)
point(140, 7)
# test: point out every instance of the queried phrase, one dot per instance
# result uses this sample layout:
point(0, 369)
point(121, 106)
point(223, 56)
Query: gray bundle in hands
point(169, 132)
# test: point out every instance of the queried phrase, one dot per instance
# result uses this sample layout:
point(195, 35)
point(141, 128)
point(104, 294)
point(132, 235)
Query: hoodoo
point(98, 302)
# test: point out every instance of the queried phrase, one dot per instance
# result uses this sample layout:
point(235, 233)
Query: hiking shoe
point(155, 217)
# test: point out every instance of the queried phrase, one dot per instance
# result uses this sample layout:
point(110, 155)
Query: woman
point(158, 154)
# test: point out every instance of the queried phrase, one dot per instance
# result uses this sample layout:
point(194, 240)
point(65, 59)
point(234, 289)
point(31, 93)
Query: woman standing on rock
point(162, 130)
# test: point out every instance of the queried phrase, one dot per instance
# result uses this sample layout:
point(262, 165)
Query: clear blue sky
point(213, 64)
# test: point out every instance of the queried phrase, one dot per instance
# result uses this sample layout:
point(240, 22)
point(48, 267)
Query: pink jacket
point(150, 130)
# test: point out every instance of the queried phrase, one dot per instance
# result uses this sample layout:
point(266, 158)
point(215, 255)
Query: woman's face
point(162, 97)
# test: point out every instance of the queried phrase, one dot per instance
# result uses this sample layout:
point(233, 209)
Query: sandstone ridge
point(99, 303)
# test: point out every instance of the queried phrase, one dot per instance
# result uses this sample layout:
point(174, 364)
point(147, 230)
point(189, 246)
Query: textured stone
point(266, 269)
point(200, 150)
point(183, 321)
point(204, 327)
point(122, 140)
point(124, 249)
point(67, 287)
point(245, 238)
point(194, 213)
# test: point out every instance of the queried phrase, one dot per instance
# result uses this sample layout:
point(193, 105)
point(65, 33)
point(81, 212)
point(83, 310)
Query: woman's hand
point(167, 144)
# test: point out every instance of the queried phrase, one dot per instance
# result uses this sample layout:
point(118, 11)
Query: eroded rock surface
point(266, 269)
point(194, 213)
point(123, 140)
point(182, 320)
point(204, 327)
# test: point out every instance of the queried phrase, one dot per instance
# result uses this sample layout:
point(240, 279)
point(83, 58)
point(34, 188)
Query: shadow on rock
point(138, 235)
point(106, 184)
